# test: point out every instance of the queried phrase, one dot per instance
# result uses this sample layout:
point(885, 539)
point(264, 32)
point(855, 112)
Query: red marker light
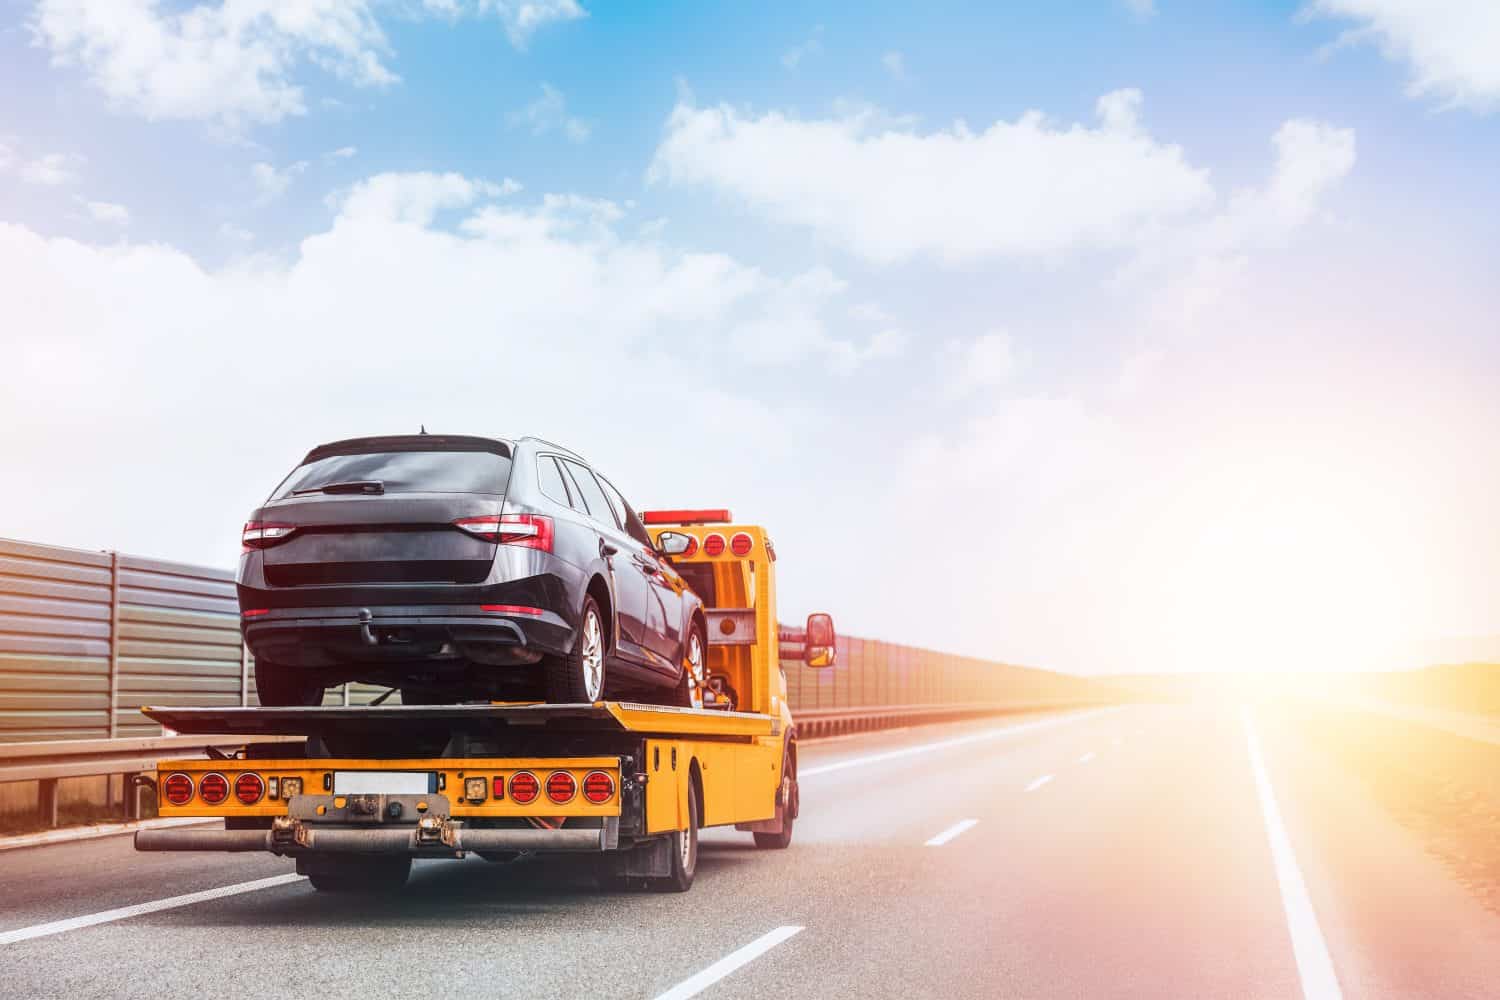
point(713, 545)
point(741, 544)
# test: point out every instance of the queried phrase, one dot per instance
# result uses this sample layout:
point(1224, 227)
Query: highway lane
point(1141, 868)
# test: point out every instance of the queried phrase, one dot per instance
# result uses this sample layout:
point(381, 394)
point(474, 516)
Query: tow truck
point(355, 793)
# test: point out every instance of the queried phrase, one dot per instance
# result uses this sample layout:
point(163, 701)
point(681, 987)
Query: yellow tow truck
point(354, 793)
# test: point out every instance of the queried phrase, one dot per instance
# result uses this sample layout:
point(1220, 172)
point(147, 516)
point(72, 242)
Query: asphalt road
point(1148, 851)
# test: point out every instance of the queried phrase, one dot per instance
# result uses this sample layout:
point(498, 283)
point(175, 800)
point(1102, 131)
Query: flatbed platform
point(479, 720)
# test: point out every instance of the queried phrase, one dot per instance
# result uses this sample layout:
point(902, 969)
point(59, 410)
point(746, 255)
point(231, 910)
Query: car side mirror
point(822, 641)
point(673, 543)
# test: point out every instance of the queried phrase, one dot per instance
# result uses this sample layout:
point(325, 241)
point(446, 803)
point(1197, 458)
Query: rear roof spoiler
point(410, 442)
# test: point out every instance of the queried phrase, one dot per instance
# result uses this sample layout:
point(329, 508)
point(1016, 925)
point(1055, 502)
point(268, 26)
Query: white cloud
point(234, 233)
point(422, 321)
point(343, 153)
point(108, 212)
point(811, 46)
point(238, 61)
point(272, 182)
point(1141, 9)
point(232, 61)
point(52, 170)
point(889, 193)
point(986, 362)
point(895, 64)
point(1452, 47)
point(7, 156)
point(550, 112)
point(521, 18)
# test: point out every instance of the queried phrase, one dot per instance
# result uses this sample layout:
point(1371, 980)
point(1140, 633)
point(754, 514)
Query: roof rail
point(554, 444)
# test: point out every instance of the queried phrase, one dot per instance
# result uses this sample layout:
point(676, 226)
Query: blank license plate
point(384, 782)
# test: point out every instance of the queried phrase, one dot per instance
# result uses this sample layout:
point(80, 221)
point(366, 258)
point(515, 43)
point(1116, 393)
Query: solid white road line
point(125, 912)
point(957, 741)
point(1086, 757)
point(1314, 965)
point(694, 985)
point(951, 832)
point(1038, 783)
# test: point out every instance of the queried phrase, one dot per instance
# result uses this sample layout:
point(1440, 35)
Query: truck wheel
point(786, 809)
point(579, 676)
point(368, 875)
point(684, 852)
point(287, 687)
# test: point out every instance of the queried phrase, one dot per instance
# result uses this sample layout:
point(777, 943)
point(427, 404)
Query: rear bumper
point(330, 637)
point(294, 838)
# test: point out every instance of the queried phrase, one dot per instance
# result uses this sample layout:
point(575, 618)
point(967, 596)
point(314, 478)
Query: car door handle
point(606, 550)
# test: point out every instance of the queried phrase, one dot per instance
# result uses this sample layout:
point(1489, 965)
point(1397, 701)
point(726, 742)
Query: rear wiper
point(352, 486)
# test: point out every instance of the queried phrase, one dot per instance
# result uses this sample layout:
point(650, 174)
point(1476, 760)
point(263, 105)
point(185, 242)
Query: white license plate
point(383, 782)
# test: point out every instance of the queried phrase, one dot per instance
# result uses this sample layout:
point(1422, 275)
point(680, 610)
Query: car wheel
point(579, 676)
point(287, 687)
point(694, 669)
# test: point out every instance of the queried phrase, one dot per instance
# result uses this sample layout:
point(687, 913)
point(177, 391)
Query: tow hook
point(433, 831)
point(287, 833)
point(364, 628)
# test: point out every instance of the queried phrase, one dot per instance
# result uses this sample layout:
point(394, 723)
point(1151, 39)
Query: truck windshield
point(403, 472)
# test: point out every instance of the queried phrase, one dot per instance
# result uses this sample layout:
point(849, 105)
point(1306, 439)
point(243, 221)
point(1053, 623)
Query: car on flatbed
point(458, 568)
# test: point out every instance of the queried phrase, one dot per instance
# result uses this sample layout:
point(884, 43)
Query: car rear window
point(405, 472)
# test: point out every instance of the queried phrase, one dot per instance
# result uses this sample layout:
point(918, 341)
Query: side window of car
point(592, 496)
point(550, 478)
point(625, 513)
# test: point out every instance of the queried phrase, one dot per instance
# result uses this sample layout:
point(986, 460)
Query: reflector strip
point(511, 609)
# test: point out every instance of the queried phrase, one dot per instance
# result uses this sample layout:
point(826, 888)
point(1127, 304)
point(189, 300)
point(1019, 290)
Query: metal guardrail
point(48, 762)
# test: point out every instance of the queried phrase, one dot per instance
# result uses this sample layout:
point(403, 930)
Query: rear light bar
point(598, 787)
point(529, 531)
point(264, 534)
point(177, 788)
point(719, 516)
point(561, 788)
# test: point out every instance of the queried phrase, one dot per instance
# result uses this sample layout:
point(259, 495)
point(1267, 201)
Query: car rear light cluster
point(529, 531)
point(264, 534)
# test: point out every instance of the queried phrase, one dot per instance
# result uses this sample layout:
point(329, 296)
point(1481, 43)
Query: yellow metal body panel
point(699, 722)
point(739, 781)
point(453, 772)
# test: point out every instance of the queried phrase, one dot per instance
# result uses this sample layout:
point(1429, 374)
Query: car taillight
point(561, 787)
point(264, 534)
point(177, 788)
point(248, 788)
point(713, 545)
point(523, 787)
point(213, 788)
point(529, 531)
point(740, 544)
point(598, 787)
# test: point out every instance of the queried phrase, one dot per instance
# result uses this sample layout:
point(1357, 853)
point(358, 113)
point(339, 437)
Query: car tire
point(287, 687)
point(690, 694)
point(578, 677)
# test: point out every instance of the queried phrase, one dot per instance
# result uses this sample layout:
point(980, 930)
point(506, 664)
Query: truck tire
point(578, 677)
point(359, 874)
point(684, 851)
point(786, 811)
point(287, 687)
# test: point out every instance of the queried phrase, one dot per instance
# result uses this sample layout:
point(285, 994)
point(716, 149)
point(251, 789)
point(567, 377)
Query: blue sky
point(1130, 335)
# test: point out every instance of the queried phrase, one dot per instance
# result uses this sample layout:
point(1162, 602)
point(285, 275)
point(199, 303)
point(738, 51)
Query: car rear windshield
point(404, 472)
